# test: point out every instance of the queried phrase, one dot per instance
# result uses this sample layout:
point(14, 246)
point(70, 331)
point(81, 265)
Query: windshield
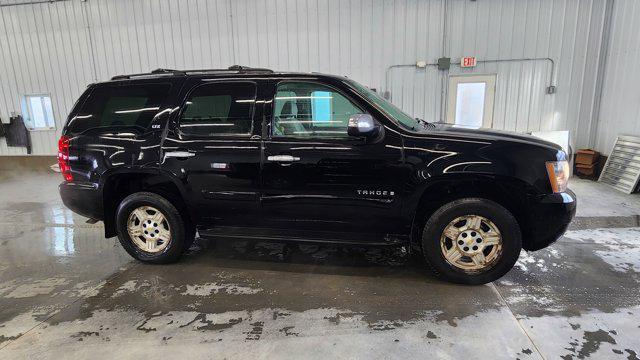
point(391, 110)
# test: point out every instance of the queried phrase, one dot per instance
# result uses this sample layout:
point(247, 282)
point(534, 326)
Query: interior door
point(214, 148)
point(470, 100)
point(316, 177)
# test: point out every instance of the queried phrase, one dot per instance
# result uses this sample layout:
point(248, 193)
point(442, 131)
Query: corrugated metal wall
point(620, 105)
point(60, 47)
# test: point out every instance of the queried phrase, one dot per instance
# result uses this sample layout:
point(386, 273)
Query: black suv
point(247, 153)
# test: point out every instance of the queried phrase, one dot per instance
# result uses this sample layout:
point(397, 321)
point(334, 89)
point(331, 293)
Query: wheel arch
point(119, 185)
point(511, 193)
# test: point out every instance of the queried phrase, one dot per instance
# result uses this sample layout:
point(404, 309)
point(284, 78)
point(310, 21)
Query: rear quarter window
point(109, 106)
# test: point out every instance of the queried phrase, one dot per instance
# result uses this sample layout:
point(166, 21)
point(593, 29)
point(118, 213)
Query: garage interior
point(563, 70)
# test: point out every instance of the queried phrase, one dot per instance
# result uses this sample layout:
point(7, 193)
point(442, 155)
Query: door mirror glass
point(363, 125)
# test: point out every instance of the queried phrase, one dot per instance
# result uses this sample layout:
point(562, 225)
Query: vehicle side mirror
point(364, 125)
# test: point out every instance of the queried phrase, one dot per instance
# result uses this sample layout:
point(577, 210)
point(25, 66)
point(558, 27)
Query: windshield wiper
point(425, 124)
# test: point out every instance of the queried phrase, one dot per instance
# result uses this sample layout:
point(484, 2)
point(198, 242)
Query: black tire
point(181, 234)
point(501, 217)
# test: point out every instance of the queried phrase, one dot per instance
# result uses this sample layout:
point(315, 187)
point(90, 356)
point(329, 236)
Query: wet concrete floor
point(66, 292)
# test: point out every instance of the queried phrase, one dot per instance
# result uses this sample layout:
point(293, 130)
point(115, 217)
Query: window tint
point(311, 110)
point(219, 109)
point(111, 106)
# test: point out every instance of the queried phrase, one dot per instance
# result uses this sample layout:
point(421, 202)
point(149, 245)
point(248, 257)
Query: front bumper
point(82, 198)
point(549, 217)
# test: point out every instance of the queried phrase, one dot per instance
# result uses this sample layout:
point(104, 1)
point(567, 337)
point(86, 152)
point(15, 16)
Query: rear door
point(315, 176)
point(213, 147)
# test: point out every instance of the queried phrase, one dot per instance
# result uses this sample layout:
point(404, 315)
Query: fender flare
point(111, 199)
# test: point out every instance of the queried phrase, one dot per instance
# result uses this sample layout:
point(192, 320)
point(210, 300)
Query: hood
point(491, 134)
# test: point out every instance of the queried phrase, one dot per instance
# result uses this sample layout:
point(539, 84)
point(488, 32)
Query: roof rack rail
point(154, 73)
point(241, 69)
point(170, 72)
point(231, 69)
point(164, 71)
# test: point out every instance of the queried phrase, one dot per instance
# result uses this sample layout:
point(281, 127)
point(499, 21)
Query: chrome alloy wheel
point(149, 229)
point(472, 243)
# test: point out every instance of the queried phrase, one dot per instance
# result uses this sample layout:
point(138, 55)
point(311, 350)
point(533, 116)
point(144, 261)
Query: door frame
point(204, 145)
point(489, 95)
point(333, 144)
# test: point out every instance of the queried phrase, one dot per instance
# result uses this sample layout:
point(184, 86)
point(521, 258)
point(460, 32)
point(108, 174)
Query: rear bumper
point(549, 218)
point(82, 198)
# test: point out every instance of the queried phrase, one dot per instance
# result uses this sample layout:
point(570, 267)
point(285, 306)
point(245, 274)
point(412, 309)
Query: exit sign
point(469, 61)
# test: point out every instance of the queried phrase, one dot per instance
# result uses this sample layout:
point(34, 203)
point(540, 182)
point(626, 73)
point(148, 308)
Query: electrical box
point(444, 63)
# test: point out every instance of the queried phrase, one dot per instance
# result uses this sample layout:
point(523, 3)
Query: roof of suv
point(234, 70)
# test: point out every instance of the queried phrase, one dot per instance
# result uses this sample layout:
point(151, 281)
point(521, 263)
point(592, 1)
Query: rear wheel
point(151, 229)
point(471, 241)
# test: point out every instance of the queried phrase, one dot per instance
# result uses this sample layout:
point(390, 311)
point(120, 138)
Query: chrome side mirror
point(363, 125)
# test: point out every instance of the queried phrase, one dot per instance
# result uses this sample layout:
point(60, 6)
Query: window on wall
point(311, 110)
point(38, 112)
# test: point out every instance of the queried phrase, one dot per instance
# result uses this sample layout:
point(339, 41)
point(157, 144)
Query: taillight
point(63, 158)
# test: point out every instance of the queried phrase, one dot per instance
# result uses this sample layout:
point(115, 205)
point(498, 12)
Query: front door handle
point(283, 158)
point(178, 154)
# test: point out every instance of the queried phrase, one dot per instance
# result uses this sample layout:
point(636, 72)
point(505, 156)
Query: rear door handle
point(178, 154)
point(283, 158)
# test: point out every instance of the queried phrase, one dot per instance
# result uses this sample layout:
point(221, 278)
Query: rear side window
point(120, 106)
point(220, 108)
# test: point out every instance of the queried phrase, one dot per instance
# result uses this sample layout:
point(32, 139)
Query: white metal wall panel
point(43, 51)
point(620, 105)
point(60, 47)
point(138, 36)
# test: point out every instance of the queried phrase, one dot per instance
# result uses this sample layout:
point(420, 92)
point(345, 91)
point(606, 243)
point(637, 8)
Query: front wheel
point(151, 229)
point(471, 241)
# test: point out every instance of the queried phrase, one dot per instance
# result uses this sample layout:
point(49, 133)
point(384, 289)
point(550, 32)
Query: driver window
point(311, 110)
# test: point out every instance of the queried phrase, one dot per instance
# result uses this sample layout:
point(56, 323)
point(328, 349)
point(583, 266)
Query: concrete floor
point(65, 292)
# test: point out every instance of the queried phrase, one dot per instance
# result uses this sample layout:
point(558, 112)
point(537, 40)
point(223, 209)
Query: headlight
point(558, 172)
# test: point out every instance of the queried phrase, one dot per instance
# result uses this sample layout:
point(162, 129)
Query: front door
point(316, 177)
point(213, 146)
